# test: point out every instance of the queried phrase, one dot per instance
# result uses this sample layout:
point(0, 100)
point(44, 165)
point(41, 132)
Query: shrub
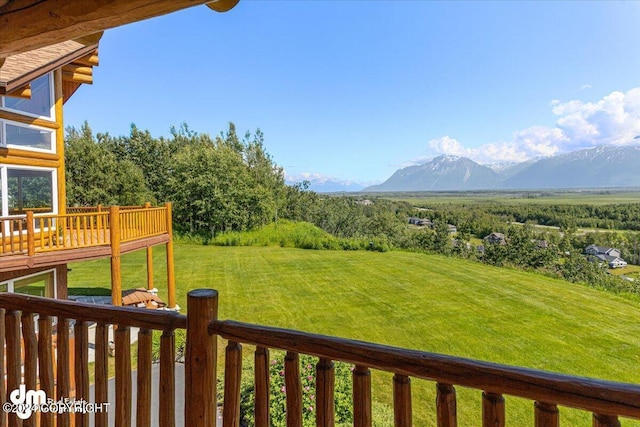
point(277, 398)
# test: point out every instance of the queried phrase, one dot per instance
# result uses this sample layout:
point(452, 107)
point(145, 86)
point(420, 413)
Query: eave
point(31, 24)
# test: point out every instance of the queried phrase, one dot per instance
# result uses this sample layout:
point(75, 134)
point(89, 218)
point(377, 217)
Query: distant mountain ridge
point(602, 166)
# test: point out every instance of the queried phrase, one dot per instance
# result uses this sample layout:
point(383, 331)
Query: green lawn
point(425, 302)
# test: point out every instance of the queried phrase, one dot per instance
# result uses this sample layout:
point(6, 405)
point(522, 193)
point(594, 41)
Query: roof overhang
point(28, 25)
point(20, 69)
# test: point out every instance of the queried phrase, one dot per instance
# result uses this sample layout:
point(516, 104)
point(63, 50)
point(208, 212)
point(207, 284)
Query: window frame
point(4, 188)
point(5, 143)
point(52, 101)
point(11, 282)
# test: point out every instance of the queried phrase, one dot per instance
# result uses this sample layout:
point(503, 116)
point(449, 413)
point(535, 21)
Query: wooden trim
point(565, 390)
point(59, 100)
point(28, 120)
point(45, 23)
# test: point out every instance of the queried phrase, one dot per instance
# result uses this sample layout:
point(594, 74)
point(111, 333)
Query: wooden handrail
point(123, 316)
point(593, 395)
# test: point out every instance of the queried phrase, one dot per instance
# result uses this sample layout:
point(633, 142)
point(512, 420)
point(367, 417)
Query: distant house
point(495, 239)
point(605, 255)
point(421, 222)
point(452, 228)
point(542, 244)
point(365, 202)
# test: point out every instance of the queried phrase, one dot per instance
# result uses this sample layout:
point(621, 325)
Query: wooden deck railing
point(81, 228)
point(606, 400)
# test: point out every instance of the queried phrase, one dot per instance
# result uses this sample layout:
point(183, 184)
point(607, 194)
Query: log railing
point(36, 364)
point(605, 400)
point(81, 228)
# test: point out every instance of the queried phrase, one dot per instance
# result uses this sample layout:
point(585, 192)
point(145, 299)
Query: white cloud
point(615, 119)
point(585, 87)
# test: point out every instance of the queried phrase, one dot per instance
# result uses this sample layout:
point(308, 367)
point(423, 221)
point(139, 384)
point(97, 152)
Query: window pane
point(28, 189)
point(40, 103)
point(29, 137)
point(40, 285)
point(4, 287)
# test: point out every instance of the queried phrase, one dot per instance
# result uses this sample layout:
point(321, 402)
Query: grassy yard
point(431, 303)
point(542, 197)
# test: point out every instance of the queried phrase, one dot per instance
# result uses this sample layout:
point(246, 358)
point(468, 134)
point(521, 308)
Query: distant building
point(495, 239)
point(605, 255)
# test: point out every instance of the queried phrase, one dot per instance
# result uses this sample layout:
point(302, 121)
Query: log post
point(446, 405)
point(167, 379)
point(232, 377)
point(14, 363)
point(123, 375)
point(147, 225)
point(171, 280)
point(602, 420)
point(31, 245)
point(81, 333)
point(116, 273)
point(325, 382)
point(546, 415)
point(45, 365)
point(492, 410)
point(143, 384)
point(63, 376)
point(30, 360)
point(293, 389)
point(102, 372)
point(3, 370)
point(262, 379)
point(201, 359)
point(361, 396)
point(402, 401)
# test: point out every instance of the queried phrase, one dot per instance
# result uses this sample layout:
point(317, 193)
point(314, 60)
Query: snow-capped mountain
point(603, 166)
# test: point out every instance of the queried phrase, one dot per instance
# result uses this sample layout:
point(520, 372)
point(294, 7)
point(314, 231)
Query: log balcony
point(605, 400)
point(39, 240)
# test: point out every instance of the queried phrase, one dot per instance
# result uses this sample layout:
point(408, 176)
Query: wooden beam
point(43, 23)
point(22, 92)
point(79, 69)
point(90, 60)
point(222, 5)
point(68, 76)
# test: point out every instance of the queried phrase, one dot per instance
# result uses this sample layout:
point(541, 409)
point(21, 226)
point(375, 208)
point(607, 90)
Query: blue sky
point(354, 90)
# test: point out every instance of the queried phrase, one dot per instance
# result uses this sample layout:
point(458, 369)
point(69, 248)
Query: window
point(29, 137)
point(41, 102)
point(39, 284)
point(23, 189)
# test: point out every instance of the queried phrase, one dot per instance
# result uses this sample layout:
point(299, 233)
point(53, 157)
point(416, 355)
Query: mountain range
point(602, 166)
